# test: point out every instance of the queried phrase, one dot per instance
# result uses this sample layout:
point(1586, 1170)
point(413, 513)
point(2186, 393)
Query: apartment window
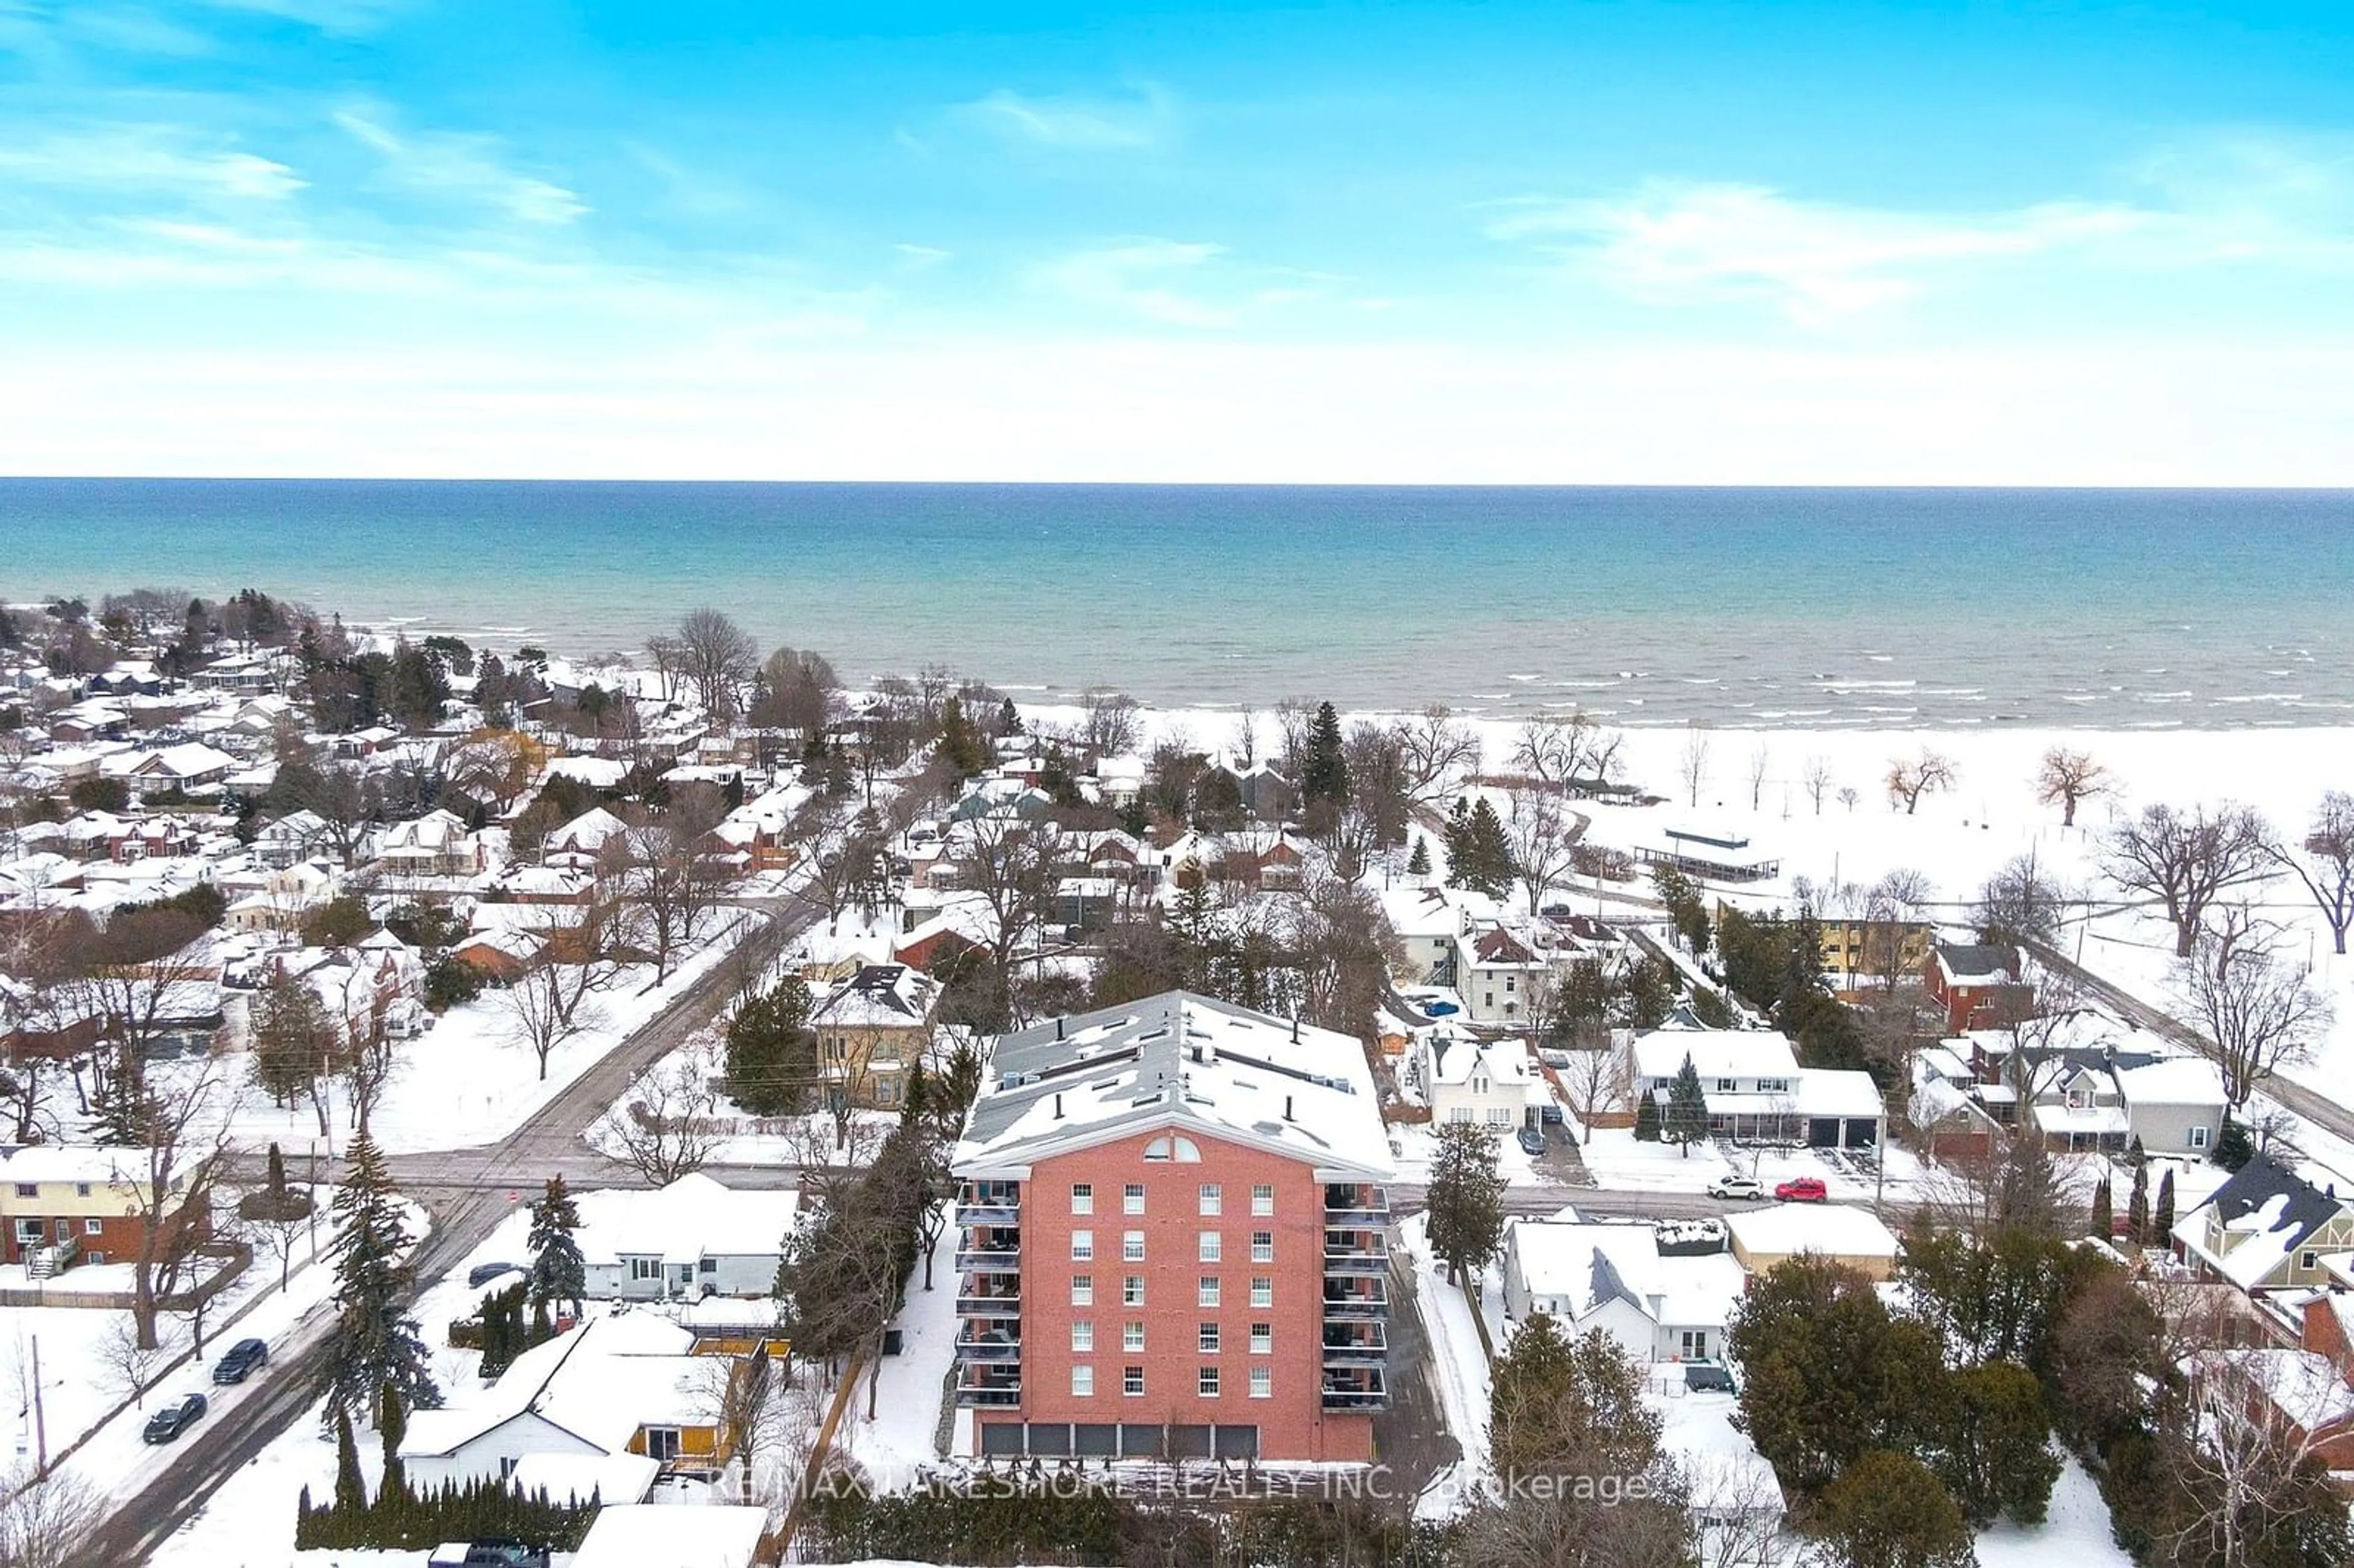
point(1082, 1197)
point(1083, 1382)
point(1261, 1339)
point(1131, 1290)
point(82, 1189)
point(1213, 1198)
point(1213, 1246)
point(1083, 1291)
point(1263, 1198)
point(1131, 1198)
point(1131, 1246)
point(93, 1228)
point(1262, 1383)
point(1131, 1382)
point(1083, 1335)
point(2198, 1138)
point(1206, 1383)
point(1262, 1247)
point(1262, 1291)
point(28, 1189)
point(1206, 1338)
point(1082, 1246)
point(1206, 1292)
point(1131, 1335)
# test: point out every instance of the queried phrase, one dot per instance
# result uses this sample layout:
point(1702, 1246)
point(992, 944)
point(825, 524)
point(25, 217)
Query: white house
point(691, 1239)
point(1497, 973)
point(1487, 1082)
point(1614, 1277)
point(1757, 1092)
point(1427, 923)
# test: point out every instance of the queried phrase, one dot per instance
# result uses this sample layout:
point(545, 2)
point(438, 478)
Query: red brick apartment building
point(1173, 1240)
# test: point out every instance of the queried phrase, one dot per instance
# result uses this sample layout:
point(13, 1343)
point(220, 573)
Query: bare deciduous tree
point(1542, 836)
point(1692, 764)
point(129, 1362)
point(1817, 780)
point(1593, 1083)
point(45, 1520)
point(666, 1124)
point(1760, 761)
point(2324, 861)
point(1436, 748)
point(2067, 780)
point(545, 1003)
point(664, 873)
point(1909, 779)
point(718, 659)
point(2257, 1012)
point(2185, 860)
point(1107, 722)
point(1016, 867)
point(2020, 901)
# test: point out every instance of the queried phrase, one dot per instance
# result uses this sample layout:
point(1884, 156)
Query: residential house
point(192, 766)
point(296, 836)
point(2300, 1396)
point(2084, 1090)
point(630, 1384)
point(1429, 925)
point(64, 1204)
point(435, 844)
point(1464, 1079)
point(1765, 1238)
point(1980, 987)
point(2265, 1229)
point(1755, 1090)
point(872, 1028)
point(1499, 976)
point(1173, 1240)
point(691, 1239)
point(1659, 1306)
point(579, 842)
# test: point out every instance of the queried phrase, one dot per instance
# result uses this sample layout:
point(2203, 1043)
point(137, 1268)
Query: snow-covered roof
point(600, 1383)
point(1182, 1062)
point(597, 772)
point(715, 1536)
point(1716, 1053)
point(879, 996)
point(1838, 1091)
point(1833, 1229)
point(72, 1162)
point(2303, 1385)
point(2178, 1081)
point(695, 1216)
point(2251, 1224)
point(1976, 965)
point(614, 1479)
point(1584, 1262)
point(1454, 1056)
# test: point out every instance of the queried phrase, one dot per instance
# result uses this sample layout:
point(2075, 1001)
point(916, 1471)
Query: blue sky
point(1653, 242)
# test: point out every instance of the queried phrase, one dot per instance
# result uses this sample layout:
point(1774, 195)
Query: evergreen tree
point(2138, 1207)
point(2135, 1155)
point(376, 1350)
point(1418, 862)
point(351, 1489)
point(1009, 719)
point(771, 1052)
point(2233, 1148)
point(1456, 836)
point(395, 1486)
point(1886, 1511)
point(2102, 1216)
point(1466, 1198)
point(1687, 1117)
point(962, 746)
point(558, 1273)
point(1324, 771)
point(1479, 851)
point(1646, 1118)
point(914, 1102)
point(1996, 1453)
point(277, 1180)
point(2161, 1223)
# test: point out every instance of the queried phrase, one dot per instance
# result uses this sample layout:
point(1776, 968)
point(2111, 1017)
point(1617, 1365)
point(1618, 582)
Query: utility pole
point(41, 1420)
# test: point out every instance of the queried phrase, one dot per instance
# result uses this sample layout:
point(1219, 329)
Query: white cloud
point(1147, 118)
point(147, 158)
point(463, 167)
point(1121, 277)
point(326, 16)
point(1671, 242)
point(920, 258)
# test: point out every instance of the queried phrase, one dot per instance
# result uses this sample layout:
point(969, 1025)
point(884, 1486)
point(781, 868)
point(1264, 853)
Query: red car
point(1801, 1190)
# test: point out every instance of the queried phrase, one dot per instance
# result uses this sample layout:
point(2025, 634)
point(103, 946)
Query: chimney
point(1287, 1107)
point(1209, 1053)
point(1656, 1303)
point(1058, 1107)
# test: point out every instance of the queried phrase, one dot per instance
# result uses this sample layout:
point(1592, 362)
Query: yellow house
point(68, 1204)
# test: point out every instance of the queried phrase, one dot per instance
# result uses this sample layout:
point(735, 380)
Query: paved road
point(2322, 1112)
point(467, 1191)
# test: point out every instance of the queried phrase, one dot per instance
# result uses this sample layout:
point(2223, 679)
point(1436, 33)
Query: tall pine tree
point(1687, 1118)
point(376, 1348)
point(1465, 1201)
point(2138, 1207)
point(1324, 771)
point(558, 1273)
point(2161, 1223)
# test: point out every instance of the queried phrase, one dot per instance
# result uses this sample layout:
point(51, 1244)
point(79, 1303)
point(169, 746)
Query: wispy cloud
point(1143, 119)
point(463, 167)
point(132, 29)
point(1671, 242)
point(920, 258)
point(327, 16)
point(1130, 276)
point(688, 190)
point(158, 158)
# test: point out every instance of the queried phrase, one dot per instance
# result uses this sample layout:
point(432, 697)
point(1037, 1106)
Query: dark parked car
point(1705, 1378)
point(1532, 1141)
point(482, 1274)
point(173, 1419)
point(494, 1553)
point(239, 1364)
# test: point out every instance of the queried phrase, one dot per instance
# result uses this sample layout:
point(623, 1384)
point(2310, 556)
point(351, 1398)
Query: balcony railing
point(977, 1211)
point(1356, 1260)
point(1355, 1353)
point(1344, 1308)
point(976, 1303)
point(988, 1349)
point(989, 1394)
point(1356, 1399)
point(1359, 1205)
point(988, 1260)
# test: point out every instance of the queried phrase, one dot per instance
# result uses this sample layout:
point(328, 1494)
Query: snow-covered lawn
point(468, 1080)
point(903, 1436)
point(2075, 1534)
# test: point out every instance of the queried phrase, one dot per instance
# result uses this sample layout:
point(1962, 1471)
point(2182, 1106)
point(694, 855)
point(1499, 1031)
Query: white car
point(1736, 1187)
